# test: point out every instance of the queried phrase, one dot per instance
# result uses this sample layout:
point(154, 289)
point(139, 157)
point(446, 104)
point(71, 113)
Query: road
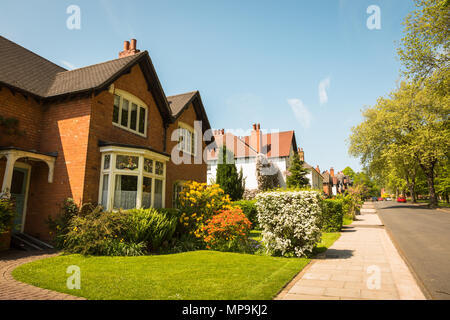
point(423, 237)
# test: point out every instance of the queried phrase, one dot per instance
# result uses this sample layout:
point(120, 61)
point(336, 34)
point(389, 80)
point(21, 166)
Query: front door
point(18, 193)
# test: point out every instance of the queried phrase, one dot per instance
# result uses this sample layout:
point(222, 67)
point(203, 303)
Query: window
point(177, 188)
point(129, 113)
point(147, 193)
point(105, 187)
point(186, 139)
point(125, 192)
point(158, 194)
point(132, 180)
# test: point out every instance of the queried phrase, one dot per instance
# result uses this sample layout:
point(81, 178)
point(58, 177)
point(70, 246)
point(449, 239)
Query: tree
point(411, 125)
point(227, 176)
point(266, 174)
point(349, 172)
point(297, 173)
point(424, 49)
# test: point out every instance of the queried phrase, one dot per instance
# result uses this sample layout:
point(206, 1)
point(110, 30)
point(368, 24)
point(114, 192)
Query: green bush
point(332, 215)
point(59, 226)
point(250, 210)
point(149, 226)
point(96, 232)
point(7, 214)
point(91, 231)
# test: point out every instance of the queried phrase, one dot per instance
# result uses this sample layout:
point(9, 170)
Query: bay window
point(130, 113)
point(132, 178)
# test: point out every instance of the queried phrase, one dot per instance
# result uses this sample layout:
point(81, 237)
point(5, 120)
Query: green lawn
point(191, 275)
point(195, 275)
point(328, 238)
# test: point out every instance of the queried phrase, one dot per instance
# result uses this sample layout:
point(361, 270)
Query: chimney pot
point(133, 44)
point(126, 45)
point(258, 126)
point(254, 126)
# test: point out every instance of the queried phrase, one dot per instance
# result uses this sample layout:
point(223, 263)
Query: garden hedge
point(332, 215)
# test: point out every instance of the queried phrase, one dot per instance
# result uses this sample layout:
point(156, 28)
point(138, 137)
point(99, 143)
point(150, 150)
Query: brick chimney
point(301, 154)
point(129, 48)
point(332, 172)
point(256, 138)
point(318, 169)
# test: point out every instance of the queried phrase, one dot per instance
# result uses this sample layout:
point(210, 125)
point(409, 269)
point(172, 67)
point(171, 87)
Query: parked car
point(380, 199)
point(374, 199)
point(401, 199)
point(388, 199)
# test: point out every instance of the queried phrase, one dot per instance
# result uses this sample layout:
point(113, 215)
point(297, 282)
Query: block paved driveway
point(11, 289)
point(345, 268)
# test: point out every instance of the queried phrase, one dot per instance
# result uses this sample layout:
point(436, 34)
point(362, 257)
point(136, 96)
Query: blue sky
point(253, 61)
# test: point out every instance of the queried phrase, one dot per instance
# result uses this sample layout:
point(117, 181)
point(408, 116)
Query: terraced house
point(98, 134)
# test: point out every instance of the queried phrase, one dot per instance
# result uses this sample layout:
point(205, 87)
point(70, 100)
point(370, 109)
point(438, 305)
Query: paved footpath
point(362, 264)
point(11, 289)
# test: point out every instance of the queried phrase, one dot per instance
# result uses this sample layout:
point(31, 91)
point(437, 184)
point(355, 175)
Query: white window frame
point(182, 128)
point(112, 171)
point(174, 194)
point(132, 100)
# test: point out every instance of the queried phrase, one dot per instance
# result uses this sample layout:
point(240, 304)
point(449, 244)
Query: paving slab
point(362, 264)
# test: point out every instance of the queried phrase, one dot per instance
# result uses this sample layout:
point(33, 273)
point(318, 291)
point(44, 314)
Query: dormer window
point(130, 113)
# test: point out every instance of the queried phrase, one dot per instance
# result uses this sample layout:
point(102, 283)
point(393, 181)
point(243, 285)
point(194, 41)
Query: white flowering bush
point(290, 221)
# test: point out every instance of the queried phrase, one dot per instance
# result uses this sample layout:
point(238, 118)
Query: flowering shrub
point(248, 207)
point(227, 231)
point(290, 221)
point(198, 202)
point(7, 214)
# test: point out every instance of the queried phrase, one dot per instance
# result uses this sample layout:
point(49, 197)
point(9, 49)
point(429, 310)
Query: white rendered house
point(277, 147)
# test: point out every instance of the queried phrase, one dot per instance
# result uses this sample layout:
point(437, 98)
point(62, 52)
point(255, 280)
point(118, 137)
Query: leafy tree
point(413, 121)
point(297, 173)
point(230, 180)
point(443, 180)
point(349, 172)
point(425, 48)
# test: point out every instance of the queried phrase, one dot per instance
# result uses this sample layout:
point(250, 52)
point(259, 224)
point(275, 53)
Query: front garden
point(208, 248)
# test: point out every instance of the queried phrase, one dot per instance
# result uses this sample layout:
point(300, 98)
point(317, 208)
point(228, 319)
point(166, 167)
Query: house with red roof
point(276, 147)
point(99, 134)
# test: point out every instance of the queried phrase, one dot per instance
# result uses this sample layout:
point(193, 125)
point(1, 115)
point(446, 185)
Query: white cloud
point(301, 112)
point(68, 65)
point(323, 86)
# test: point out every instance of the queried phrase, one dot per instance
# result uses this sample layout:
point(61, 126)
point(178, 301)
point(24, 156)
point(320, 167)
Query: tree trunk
point(429, 172)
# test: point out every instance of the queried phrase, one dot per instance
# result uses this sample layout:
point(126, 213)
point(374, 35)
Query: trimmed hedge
point(250, 210)
point(332, 215)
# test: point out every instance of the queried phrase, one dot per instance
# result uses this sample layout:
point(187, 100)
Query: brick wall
point(28, 112)
point(101, 127)
point(65, 130)
point(182, 172)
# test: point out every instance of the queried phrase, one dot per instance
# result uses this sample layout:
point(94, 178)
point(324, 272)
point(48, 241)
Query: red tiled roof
point(240, 150)
point(273, 145)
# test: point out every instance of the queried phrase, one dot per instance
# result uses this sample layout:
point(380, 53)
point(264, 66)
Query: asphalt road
point(423, 237)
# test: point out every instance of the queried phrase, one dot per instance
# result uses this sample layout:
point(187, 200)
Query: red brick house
point(100, 134)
